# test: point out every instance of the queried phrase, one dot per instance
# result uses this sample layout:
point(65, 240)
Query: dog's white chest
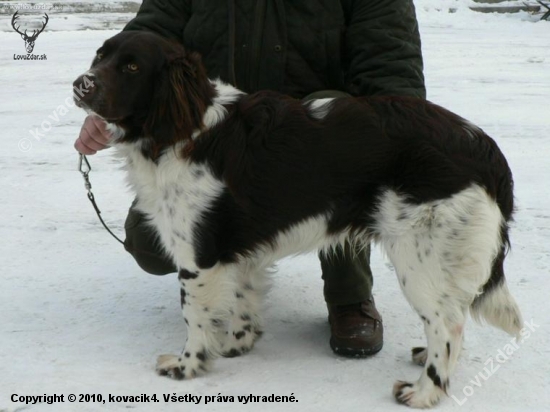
point(174, 193)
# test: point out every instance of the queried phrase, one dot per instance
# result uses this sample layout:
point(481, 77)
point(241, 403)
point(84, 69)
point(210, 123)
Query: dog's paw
point(185, 366)
point(419, 355)
point(240, 342)
point(412, 395)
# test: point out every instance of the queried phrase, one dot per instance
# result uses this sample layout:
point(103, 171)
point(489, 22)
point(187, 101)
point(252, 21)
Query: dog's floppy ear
point(183, 93)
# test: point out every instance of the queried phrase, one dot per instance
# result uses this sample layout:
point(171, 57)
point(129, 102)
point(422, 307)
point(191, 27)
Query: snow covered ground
point(77, 316)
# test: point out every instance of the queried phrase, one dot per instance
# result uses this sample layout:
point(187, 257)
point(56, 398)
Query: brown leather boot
point(356, 330)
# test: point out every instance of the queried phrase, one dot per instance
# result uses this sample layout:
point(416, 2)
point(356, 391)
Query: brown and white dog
point(233, 182)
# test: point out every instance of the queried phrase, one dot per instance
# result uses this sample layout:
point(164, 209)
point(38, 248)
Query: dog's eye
point(132, 67)
point(99, 56)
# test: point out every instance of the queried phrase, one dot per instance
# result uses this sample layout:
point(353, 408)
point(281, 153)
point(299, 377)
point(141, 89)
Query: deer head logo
point(29, 40)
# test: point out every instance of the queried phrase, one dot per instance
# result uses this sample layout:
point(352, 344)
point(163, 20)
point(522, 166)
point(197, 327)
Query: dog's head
point(151, 87)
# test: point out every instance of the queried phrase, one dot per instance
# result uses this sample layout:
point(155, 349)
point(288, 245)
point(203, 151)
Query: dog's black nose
point(84, 87)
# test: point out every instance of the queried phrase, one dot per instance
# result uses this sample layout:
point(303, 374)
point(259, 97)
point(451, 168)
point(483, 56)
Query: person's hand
point(93, 136)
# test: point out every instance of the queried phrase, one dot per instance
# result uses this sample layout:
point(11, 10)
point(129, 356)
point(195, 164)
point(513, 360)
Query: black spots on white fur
point(239, 295)
point(217, 323)
point(183, 294)
point(187, 354)
point(185, 274)
point(177, 373)
point(448, 349)
point(233, 352)
point(198, 173)
point(404, 280)
point(245, 317)
point(247, 328)
point(201, 356)
point(186, 321)
point(239, 335)
point(419, 256)
point(434, 376)
point(425, 319)
point(399, 392)
point(171, 211)
point(248, 286)
point(180, 235)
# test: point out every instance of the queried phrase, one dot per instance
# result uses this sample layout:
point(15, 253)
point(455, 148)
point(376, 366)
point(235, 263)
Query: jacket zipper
point(256, 46)
point(231, 51)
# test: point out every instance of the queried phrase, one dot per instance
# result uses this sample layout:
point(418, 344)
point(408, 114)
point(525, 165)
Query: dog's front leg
point(206, 298)
point(245, 325)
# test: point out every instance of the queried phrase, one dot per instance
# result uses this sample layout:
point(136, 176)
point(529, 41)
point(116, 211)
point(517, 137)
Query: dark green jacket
point(363, 47)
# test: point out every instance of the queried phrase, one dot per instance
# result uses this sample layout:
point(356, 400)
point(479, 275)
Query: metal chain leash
point(84, 168)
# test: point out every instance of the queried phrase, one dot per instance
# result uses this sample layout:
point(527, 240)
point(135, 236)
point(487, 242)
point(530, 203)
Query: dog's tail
point(495, 304)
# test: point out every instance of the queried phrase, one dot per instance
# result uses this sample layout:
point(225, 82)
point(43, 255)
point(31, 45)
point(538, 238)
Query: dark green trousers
point(346, 271)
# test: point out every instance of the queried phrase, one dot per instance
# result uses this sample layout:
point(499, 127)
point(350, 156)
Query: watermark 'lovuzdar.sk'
point(30, 57)
point(502, 356)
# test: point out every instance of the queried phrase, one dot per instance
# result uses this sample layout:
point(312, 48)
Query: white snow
point(79, 317)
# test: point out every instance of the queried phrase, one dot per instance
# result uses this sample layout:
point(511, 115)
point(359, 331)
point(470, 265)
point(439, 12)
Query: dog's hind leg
point(415, 259)
point(207, 297)
point(245, 324)
point(444, 252)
